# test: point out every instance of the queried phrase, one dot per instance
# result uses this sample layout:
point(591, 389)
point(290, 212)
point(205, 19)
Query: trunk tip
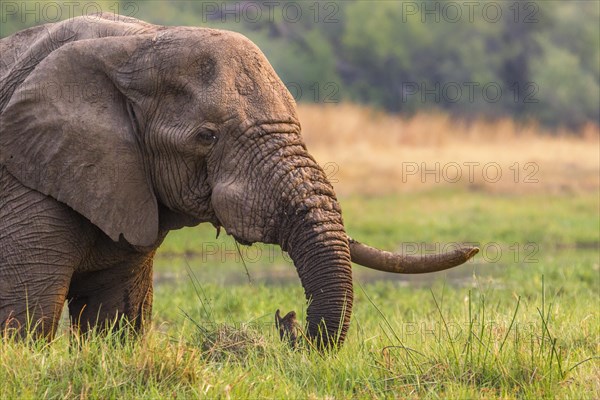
point(288, 326)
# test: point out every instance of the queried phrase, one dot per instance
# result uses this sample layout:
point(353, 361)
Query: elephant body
point(50, 253)
point(114, 131)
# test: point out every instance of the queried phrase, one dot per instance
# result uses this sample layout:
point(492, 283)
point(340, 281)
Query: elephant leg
point(32, 300)
point(41, 243)
point(120, 294)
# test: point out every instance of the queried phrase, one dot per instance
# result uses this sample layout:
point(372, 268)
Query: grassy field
point(365, 151)
point(519, 321)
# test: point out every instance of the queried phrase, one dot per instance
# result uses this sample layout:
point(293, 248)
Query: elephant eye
point(207, 136)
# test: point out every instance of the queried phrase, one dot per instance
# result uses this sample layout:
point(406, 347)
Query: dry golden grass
point(370, 152)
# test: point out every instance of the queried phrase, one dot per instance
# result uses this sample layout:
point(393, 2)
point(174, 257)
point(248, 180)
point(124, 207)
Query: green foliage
point(537, 60)
point(572, 93)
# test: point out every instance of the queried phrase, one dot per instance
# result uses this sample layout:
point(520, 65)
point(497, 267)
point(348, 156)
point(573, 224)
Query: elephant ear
point(69, 132)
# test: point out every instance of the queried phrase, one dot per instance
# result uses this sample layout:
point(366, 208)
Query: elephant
point(114, 131)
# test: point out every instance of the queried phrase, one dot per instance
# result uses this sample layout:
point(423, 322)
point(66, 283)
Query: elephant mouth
point(233, 233)
point(242, 241)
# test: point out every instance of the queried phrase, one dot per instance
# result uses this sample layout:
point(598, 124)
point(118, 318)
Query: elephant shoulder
point(32, 45)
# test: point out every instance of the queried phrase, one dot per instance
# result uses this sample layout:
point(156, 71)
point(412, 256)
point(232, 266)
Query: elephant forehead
point(226, 72)
point(198, 42)
point(205, 67)
point(241, 61)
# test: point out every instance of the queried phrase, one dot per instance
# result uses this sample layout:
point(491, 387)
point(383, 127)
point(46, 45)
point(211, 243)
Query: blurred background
point(520, 59)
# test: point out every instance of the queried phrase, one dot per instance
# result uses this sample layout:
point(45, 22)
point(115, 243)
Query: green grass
point(514, 326)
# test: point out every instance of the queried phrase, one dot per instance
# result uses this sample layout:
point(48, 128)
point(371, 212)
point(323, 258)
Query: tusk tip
point(471, 252)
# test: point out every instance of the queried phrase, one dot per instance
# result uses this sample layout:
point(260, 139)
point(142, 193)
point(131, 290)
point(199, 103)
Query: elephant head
point(142, 129)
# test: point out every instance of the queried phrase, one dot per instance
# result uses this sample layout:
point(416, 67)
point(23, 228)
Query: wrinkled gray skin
point(114, 132)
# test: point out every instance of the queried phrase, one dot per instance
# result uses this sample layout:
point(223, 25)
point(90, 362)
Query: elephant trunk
point(313, 234)
point(300, 213)
point(319, 249)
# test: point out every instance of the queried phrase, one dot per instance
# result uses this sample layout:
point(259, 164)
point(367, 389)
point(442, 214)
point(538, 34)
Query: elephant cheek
point(233, 210)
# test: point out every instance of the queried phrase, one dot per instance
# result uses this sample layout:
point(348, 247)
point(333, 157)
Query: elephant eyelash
point(207, 136)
